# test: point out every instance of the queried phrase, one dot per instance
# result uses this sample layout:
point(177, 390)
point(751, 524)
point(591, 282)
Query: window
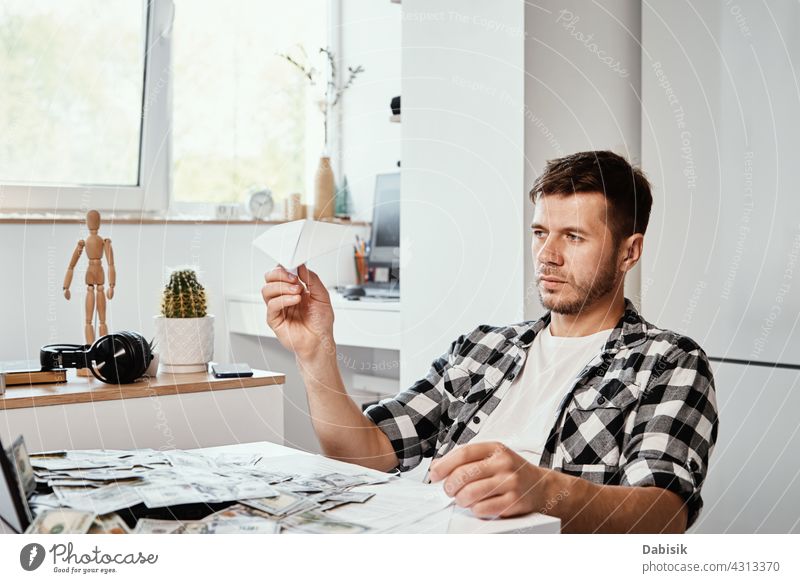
point(144, 101)
point(242, 115)
point(71, 116)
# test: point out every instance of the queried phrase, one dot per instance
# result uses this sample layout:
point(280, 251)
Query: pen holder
point(361, 268)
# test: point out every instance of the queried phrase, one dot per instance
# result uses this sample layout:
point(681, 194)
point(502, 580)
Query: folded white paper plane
point(292, 244)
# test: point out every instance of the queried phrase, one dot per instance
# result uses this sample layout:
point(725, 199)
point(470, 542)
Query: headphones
point(117, 359)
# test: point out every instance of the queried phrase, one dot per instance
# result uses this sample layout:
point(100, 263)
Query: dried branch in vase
point(334, 89)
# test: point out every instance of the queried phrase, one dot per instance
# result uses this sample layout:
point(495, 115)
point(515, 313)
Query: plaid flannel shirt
point(641, 413)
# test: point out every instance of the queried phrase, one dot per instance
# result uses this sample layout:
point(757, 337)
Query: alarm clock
point(260, 203)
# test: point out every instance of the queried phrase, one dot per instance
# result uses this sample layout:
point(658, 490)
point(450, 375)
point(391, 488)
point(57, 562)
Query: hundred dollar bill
point(238, 511)
point(22, 462)
point(253, 489)
point(105, 475)
point(153, 526)
point(62, 521)
point(109, 524)
point(282, 505)
point(308, 485)
point(70, 483)
point(350, 496)
point(169, 494)
point(345, 481)
point(238, 525)
point(66, 463)
point(40, 501)
point(319, 523)
point(104, 500)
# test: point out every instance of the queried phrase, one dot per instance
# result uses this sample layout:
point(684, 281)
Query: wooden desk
point(170, 411)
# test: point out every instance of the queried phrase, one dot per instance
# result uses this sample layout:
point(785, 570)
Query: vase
point(184, 344)
point(324, 190)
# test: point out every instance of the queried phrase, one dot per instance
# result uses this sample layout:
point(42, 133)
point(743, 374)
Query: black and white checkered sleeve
point(412, 419)
point(675, 428)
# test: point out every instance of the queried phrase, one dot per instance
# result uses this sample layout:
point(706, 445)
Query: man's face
point(574, 252)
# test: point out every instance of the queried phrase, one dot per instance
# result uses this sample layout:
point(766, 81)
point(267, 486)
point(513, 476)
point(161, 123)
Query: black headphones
point(117, 359)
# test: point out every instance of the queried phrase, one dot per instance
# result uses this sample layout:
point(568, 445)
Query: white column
point(462, 242)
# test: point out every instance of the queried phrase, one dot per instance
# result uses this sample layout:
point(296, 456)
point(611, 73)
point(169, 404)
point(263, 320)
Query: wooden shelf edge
point(57, 219)
point(92, 391)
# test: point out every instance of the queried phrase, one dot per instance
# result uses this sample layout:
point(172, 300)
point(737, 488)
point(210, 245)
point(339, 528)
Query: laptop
point(14, 509)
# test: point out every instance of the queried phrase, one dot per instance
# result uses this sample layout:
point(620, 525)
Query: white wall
point(34, 260)
point(369, 36)
point(582, 81)
point(462, 175)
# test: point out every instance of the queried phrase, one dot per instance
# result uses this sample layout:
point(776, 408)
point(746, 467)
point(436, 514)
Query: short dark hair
point(625, 187)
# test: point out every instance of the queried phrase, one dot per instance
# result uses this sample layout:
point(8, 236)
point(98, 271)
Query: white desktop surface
point(461, 522)
point(366, 322)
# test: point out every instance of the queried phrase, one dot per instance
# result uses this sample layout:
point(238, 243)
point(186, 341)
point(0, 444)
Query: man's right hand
point(302, 320)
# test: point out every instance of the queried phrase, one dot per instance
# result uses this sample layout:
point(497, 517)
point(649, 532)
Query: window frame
point(152, 193)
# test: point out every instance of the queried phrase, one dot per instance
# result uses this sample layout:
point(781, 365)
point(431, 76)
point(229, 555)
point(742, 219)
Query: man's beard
point(603, 282)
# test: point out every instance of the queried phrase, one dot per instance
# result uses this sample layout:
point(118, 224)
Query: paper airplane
point(292, 244)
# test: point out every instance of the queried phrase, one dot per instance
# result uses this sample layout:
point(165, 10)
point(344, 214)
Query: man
point(590, 413)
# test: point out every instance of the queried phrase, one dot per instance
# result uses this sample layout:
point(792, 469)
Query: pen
point(427, 478)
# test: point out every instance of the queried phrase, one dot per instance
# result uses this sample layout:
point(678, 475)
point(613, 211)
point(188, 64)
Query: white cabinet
point(753, 485)
point(722, 252)
point(362, 323)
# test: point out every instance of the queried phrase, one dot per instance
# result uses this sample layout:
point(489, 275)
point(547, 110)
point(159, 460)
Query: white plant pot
point(184, 344)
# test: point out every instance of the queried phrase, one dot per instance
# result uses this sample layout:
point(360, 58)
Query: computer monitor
point(385, 237)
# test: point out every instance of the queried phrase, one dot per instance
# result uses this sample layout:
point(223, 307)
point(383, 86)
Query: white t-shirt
point(527, 412)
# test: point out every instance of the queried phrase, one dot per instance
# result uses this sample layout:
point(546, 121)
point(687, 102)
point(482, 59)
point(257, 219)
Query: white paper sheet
point(397, 506)
point(292, 244)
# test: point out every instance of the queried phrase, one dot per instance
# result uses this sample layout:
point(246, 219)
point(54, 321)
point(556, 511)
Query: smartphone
point(229, 371)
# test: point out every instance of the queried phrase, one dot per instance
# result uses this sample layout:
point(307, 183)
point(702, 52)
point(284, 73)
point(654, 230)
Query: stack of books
point(18, 373)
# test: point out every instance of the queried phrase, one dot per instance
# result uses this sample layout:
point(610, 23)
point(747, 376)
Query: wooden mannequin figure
point(95, 278)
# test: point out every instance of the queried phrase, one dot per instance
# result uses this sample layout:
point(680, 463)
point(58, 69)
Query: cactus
point(183, 296)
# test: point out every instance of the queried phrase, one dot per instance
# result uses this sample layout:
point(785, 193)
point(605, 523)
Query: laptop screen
point(14, 509)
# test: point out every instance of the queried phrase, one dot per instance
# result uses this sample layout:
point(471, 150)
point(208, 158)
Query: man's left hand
point(492, 480)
